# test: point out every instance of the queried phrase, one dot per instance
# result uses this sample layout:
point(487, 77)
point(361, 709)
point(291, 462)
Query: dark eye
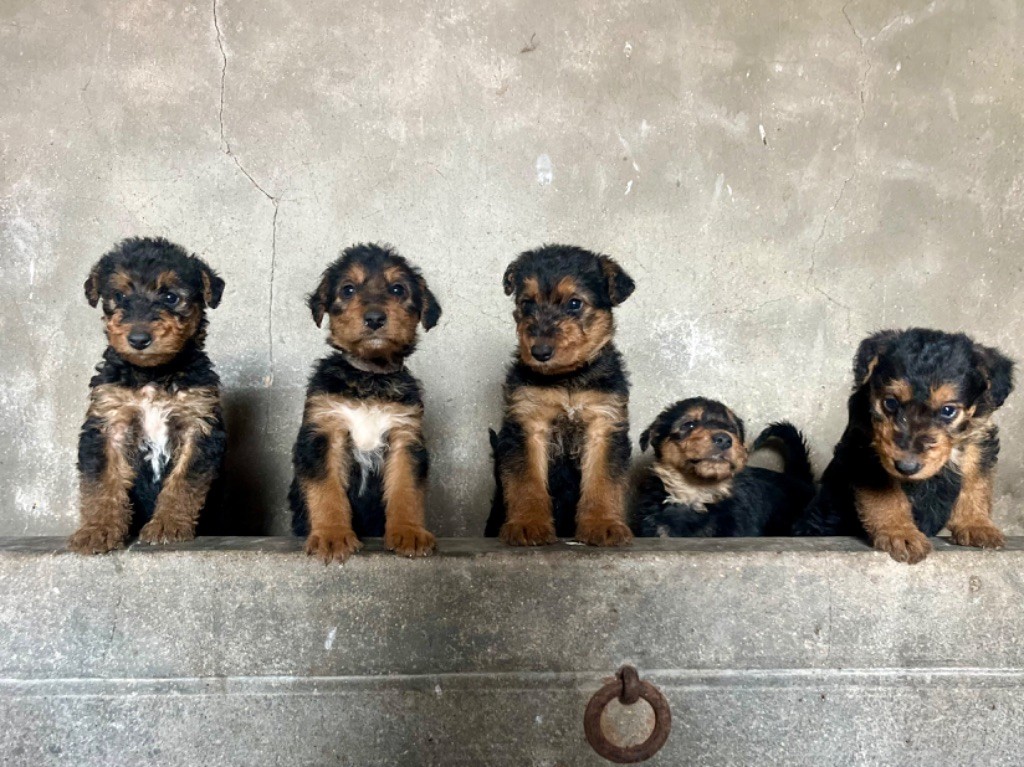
point(574, 305)
point(948, 412)
point(119, 296)
point(169, 298)
point(687, 427)
point(891, 404)
point(348, 291)
point(398, 289)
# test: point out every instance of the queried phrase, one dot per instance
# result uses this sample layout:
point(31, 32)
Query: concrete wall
point(779, 177)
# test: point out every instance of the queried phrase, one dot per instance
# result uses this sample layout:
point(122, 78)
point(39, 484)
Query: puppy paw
point(332, 544)
point(410, 541)
point(603, 532)
point(532, 533)
point(96, 540)
point(908, 545)
point(982, 536)
point(159, 530)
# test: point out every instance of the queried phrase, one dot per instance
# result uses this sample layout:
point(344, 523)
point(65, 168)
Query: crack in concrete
point(274, 201)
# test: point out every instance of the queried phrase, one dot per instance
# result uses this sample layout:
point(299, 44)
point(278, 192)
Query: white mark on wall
point(545, 170)
point(329, 642)
point(629, 186)
point(951, 102)
point(716, 195)
point(437, 690)
point(628, 49)
point(645, 129)
point(683, 343)
point(764, 135)
point(899, 65)
point(629, 152)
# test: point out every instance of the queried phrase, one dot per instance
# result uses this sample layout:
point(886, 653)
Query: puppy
point(360, 459)
point(700, 484)
point(153, 438)
point(562, 455)
point(919, 452)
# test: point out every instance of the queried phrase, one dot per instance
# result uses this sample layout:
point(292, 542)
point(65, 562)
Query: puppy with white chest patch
point(360, 459)
point(153, 439)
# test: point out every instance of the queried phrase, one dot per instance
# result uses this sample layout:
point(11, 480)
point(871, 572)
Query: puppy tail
point(788, 442)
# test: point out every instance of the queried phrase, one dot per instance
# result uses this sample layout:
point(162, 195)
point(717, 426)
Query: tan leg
point(888, 519)
point(404, 525)
point(104, 506)
point(330, 513)
point(971, 522)
point(530, 519)
point(601, 514)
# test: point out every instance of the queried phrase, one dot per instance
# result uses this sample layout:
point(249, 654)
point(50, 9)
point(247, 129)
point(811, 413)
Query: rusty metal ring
point(628, 688)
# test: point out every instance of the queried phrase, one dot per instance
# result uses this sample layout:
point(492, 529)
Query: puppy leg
point(106, 476)
point(183, 494)
point(321, 467)
point(971, 522)
point(524, 482)
point(601, 514)
point(405, 470)
point(888, 519)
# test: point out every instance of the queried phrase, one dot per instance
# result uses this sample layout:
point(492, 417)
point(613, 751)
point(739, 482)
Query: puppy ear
point(740, 428)
point(646, 437)
point(431, 311)
point(997, 370)
point(620, 284)
point(319, 301)
point(213, 285)
point(508, 282)
point(92, 285)
point(866, 359)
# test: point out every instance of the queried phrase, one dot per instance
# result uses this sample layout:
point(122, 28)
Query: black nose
point(542, 352)
point(139, 339)
point(721, 440)
point(374, 319)
point(908, 466)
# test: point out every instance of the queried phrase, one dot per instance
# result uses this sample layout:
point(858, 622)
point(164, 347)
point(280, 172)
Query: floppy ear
point(997, 369)
point(92, 286)
point(213, 285)
point(509, 280)
point(319, 300)
point(868, 352)
point(646, 437)
point(620, 284)
point(741, 428)
point(431, 311)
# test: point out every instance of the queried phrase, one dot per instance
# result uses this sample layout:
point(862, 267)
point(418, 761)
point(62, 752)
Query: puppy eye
point(171, 299)
point(891, 404)
point(948, 412)
point(574, 305)
point(119, 296)
point(687, 427)
point(348, 291)
point(397, 289)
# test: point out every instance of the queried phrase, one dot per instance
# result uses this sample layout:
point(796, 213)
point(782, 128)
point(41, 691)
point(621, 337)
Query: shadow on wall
point(244, 501)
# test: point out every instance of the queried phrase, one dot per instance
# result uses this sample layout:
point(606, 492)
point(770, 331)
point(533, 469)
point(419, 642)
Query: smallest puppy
point(700, 485)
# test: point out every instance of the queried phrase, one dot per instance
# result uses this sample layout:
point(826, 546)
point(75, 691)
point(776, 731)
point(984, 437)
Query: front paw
point(530, 533)
point(159, 530)
point(982, 536)
point(90, 539)
point(332, 544)
point(908, 545)
point(410, 541)
point(603, 532)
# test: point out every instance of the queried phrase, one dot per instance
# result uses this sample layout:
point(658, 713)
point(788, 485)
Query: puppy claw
point(983, 536)
point(96, 540)
point(410, 541)
point(160, 531)
point(604, 533)
point(909, 546)
point(527, 533)
point(332, 545)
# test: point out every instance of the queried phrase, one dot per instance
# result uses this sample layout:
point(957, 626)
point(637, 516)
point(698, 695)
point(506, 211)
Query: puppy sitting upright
point(919, 451)
point(700, 484)
point(153, 437)
point(360, 460)
point(562, 456)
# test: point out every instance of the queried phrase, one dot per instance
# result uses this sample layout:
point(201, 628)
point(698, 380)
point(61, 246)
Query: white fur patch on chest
point(698, 498)
point(154, 414)
point(368, 425)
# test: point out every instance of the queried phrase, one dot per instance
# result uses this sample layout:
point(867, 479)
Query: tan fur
point(888, 519)
point(330, 513)
point(404, 529)
point(971, 521)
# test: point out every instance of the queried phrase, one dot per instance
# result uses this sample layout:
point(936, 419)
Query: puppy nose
point(721, 440)
point(542, 352)
point(139, 339)
point(908, 466)
point(374, 319)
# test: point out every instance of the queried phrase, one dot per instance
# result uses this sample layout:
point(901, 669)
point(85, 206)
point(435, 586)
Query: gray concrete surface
point(771, 652)
point(781, 178)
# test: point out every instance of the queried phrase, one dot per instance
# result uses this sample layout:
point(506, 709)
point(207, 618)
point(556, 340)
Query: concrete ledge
point(243, 651)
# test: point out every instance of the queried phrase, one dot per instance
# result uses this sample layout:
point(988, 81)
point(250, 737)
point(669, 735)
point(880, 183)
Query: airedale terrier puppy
point(562, 455)
point(700, 484)
point(919, 451)
point(153, 438)
point(360, 459)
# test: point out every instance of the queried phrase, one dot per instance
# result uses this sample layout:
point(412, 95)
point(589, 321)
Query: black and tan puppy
point(153, 438)
point(562, 455)
point(360, 460)
point(919, 451)
point(700, 484)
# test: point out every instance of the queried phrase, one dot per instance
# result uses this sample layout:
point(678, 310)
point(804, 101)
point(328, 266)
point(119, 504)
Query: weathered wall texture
point(779, 177)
